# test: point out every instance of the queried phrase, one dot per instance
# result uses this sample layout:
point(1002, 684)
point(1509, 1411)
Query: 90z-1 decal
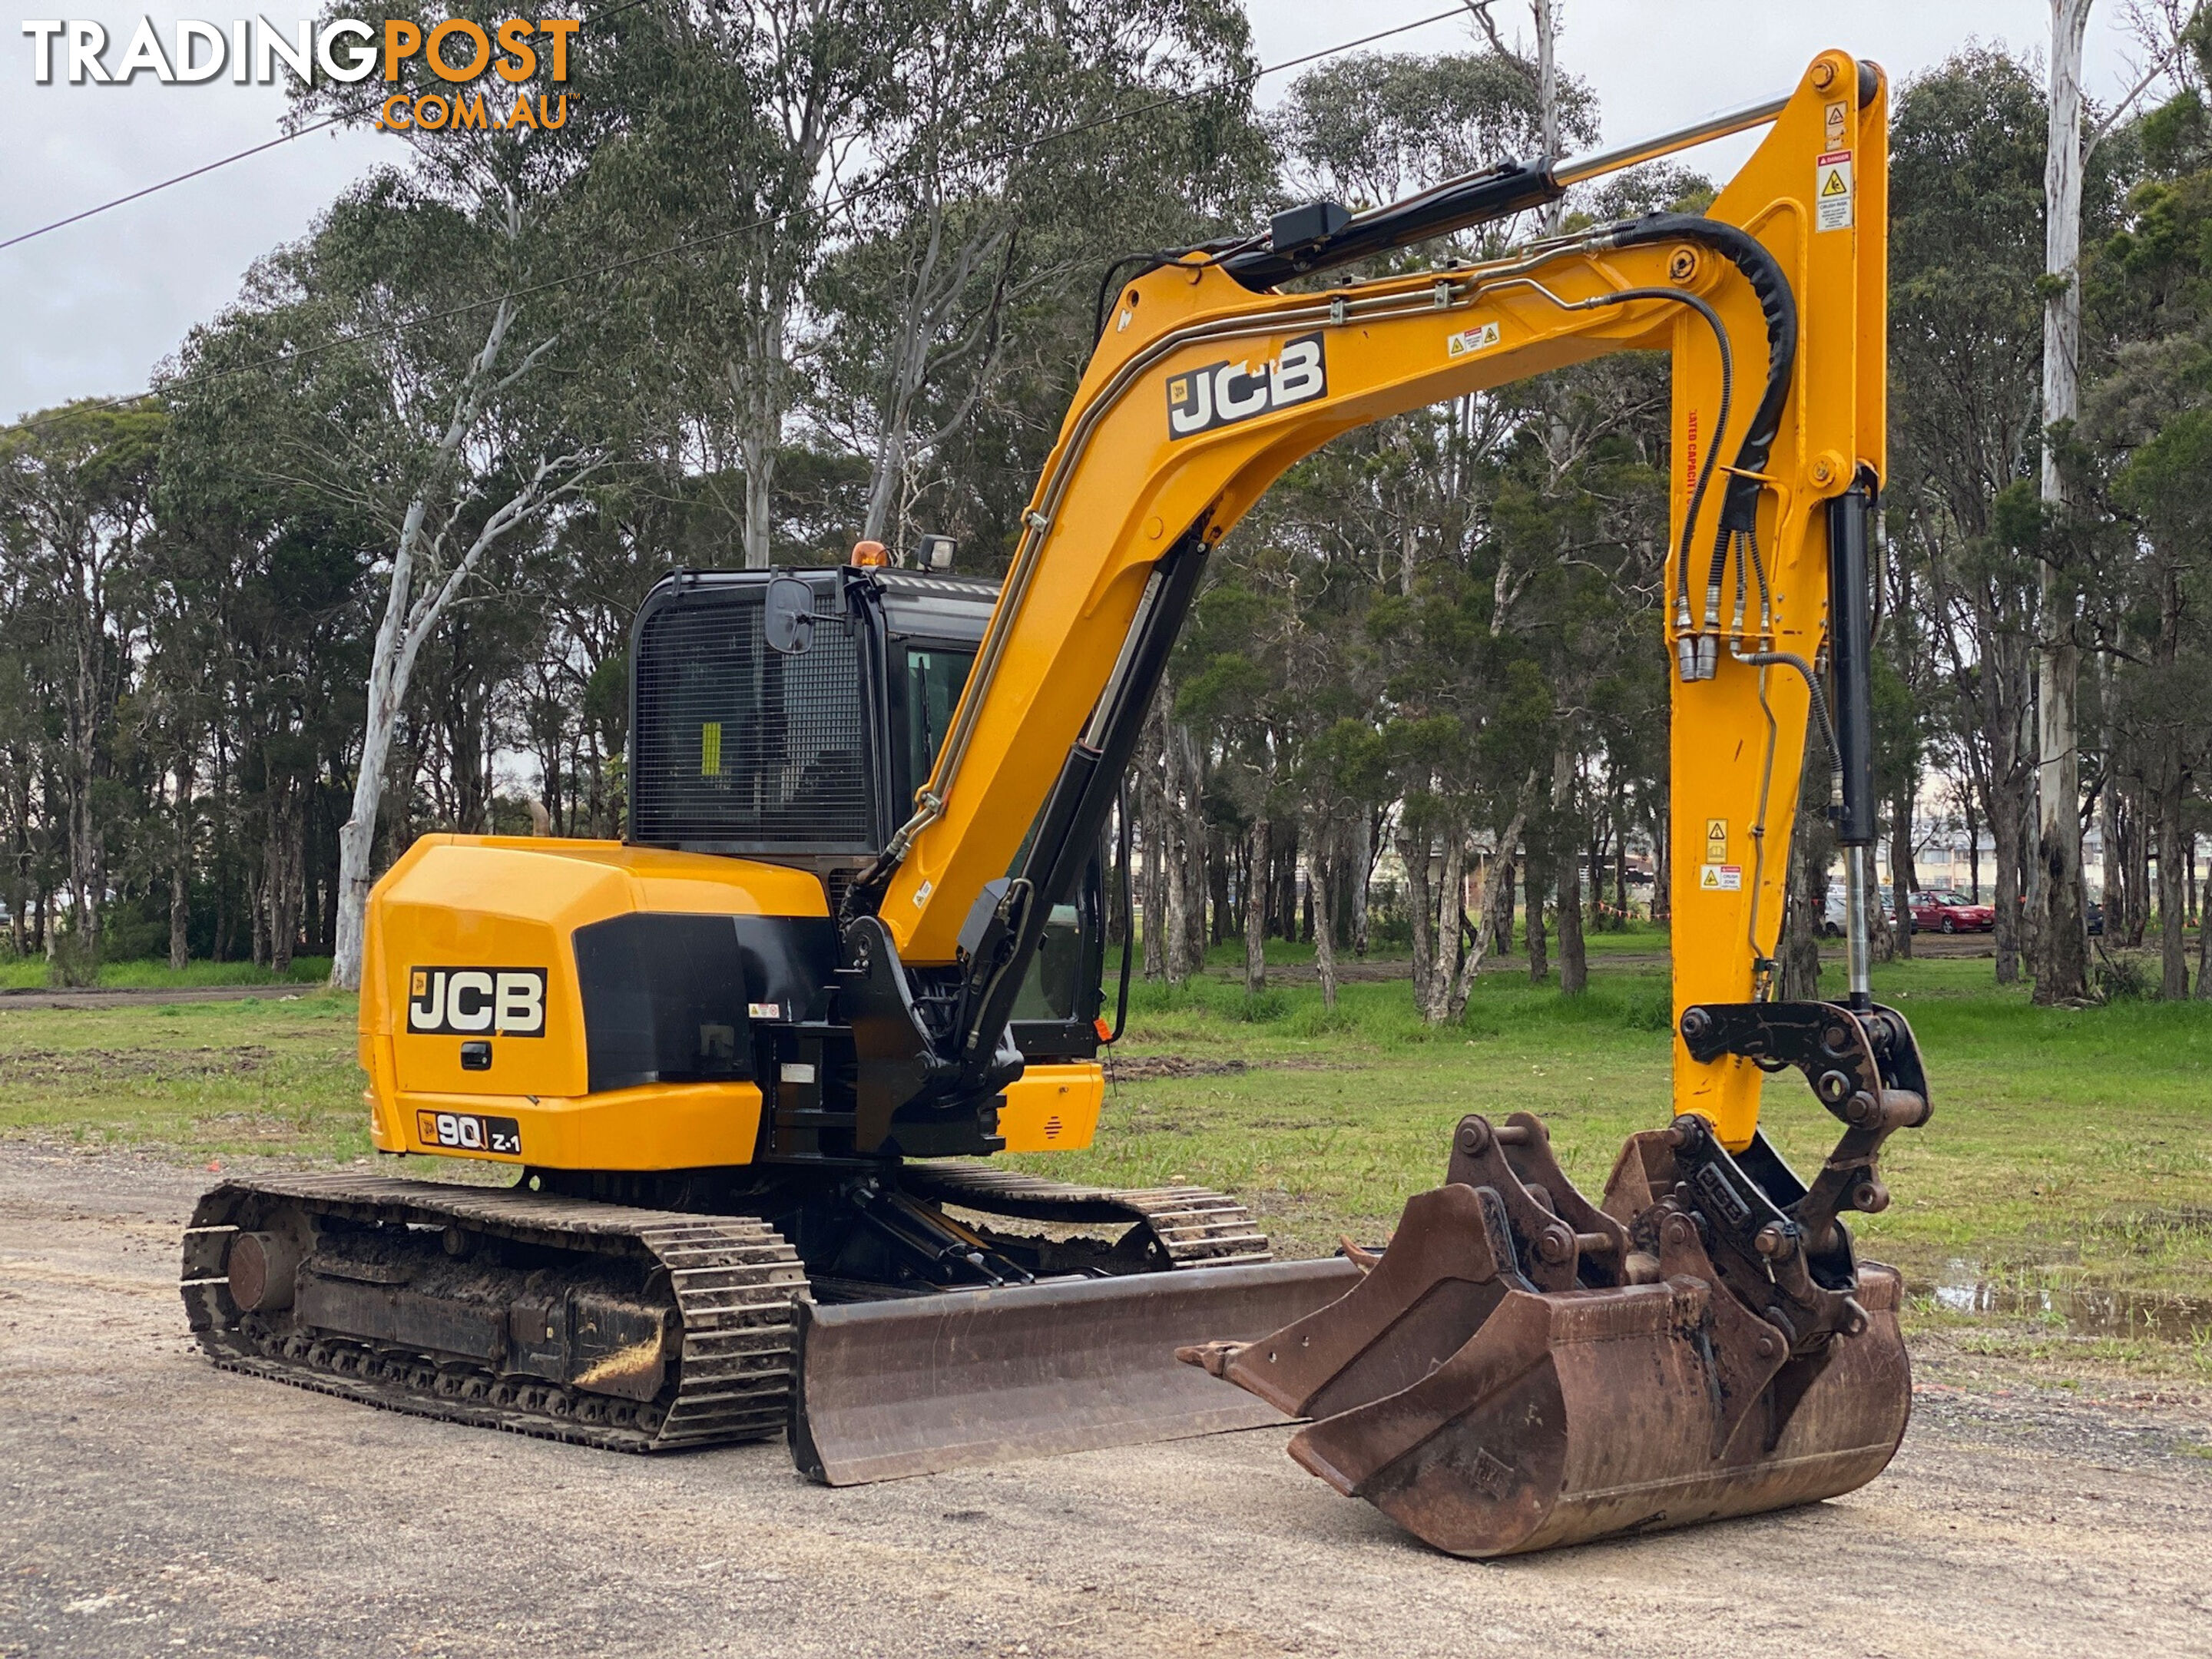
point(1201, 399)
point(466, 1132)
point(472, 1001)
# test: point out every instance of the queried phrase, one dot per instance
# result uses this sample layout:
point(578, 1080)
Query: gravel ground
point(152, 1505)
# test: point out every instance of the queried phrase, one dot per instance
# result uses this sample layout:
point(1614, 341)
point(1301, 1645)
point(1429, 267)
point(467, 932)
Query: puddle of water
point(2087, 1309)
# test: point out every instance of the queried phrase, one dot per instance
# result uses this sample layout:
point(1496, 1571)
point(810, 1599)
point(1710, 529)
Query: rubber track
point(733, 1278)
point(1195, 1226)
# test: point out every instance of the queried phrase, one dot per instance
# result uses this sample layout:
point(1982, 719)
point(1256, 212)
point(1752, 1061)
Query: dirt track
point(151, 1505)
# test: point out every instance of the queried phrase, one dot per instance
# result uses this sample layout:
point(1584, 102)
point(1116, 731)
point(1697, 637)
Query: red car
point(1950, 913)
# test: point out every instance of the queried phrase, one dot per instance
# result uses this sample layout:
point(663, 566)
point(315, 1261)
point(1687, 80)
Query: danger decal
point(1480, 337)
point(1832, 190)
point(476, 1002)
point(1221, 394)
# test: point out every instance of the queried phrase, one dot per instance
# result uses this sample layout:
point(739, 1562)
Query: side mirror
point(787, 621)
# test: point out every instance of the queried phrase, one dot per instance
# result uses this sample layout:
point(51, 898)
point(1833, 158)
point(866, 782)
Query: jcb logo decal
point(1199, 400)
point(471, 1001)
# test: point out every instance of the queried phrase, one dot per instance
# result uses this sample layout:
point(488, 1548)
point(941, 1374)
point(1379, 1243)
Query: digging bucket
point(919, 1384)
point(1495, 1390)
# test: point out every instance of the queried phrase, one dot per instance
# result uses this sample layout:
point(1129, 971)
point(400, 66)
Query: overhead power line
point(835, 200)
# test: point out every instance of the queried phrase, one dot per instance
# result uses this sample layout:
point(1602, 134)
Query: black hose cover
point(1740, 506)
point(1476, 198)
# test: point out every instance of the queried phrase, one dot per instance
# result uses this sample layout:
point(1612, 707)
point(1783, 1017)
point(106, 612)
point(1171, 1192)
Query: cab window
point(934, 676)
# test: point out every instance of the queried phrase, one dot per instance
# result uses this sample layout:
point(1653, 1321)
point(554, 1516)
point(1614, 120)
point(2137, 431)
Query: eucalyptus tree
point(1966, 145)
point(2144, 453)
point(418, 326)
point(76, 519)
point(1026, 146)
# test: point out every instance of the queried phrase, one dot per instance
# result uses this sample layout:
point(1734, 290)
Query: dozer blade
point(919, 1384)
point(1489, 1416)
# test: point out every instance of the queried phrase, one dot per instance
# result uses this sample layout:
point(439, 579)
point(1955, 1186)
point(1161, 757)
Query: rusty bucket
point(1520, 1370)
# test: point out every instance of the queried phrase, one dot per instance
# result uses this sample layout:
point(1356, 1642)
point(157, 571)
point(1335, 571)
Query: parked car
point(1832, 914)
point(1948, 911)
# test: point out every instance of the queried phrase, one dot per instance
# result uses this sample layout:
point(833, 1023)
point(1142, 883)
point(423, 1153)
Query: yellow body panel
point(515, 902)
point(1119, 489)
point(663, 1126)
point(1052, 1109)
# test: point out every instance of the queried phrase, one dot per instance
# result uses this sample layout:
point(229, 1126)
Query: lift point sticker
point(1831, 187)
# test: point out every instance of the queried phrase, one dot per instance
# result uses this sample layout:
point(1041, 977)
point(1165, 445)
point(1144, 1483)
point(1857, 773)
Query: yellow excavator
point(749, 1065)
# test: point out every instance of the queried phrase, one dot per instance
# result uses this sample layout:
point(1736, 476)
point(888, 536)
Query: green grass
point(31, 973)
point(188, 1080)
point(2068, 1147)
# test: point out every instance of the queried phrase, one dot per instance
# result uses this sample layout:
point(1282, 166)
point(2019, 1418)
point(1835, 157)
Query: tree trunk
point(1574, 968)
point(2061, 955)
point(1420, 906)
point(282, 881)
point(180, 870)
point(2204, 960)
point(1451, 911)
point(2134, 874)
point(758, 388)
point(1362, 863)
point(1152, 794)
point(1973, 847)
point(1548, 98)
point(1805, 908)
point(1470, 962)
point(387, 691)
point(1497, 903)
point(1320, 888)
point(1497, 896)
point(1535, 877)
point(2005, 808)
point(2173, 962)
point(1904, 878)
point(1178, 857)
point(1257, 845)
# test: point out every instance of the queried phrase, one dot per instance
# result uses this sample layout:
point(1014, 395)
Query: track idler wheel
point(1495, 1396)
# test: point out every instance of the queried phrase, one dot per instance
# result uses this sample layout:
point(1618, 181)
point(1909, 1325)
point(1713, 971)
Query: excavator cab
point(788, 716)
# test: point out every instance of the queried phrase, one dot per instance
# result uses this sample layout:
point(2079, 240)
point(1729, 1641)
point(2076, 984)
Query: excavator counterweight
point(748, 1066)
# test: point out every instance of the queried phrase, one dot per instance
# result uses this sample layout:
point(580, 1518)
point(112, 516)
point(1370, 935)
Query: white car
point(1832, 914)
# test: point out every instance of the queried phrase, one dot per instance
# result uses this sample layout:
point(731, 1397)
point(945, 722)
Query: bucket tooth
point(1432, 1290)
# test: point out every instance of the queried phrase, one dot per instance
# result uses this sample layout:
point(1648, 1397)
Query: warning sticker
point(1720, 877)
point(1835, 116)
point(1832, 190)
point(1716, 840)
point(1480, 337)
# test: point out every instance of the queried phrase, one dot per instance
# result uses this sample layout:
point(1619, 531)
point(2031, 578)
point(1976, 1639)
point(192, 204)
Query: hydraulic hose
point(1739, 502)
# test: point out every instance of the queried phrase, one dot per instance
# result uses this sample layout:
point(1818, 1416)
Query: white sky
point(90, 309)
